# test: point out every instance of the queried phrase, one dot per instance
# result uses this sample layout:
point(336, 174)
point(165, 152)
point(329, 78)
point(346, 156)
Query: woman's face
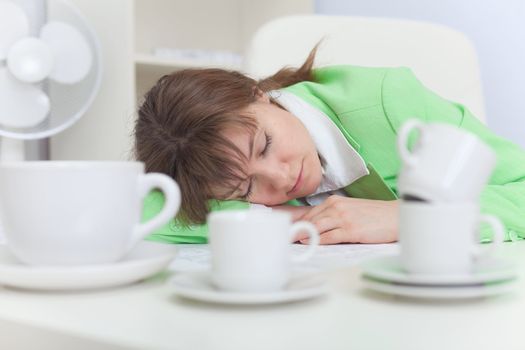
point(283, 163)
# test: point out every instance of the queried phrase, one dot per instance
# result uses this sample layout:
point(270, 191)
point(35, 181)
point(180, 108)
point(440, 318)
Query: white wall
point(103, 132)
point(497, 29)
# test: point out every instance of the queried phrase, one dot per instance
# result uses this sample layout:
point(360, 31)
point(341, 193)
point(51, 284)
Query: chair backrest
point(442, 58)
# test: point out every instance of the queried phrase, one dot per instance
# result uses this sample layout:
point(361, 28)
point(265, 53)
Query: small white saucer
point(146, 259)
point(440, 292)
point(490, 270)
point(197, 285)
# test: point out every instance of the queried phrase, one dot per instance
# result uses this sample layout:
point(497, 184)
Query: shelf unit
point(225, 25)
point(143, 61)
point(149, 68)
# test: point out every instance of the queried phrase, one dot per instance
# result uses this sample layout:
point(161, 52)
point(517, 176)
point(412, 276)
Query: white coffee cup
point(443, 238)
point(78, 212)
point(446, 163)
point(250, 249)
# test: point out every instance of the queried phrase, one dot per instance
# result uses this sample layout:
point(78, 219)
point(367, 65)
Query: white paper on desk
point(197, 256)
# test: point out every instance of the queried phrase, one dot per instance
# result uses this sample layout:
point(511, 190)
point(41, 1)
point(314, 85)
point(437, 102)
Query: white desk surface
point(148, 316)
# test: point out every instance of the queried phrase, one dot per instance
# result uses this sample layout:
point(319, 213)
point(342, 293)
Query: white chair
point(442, 58)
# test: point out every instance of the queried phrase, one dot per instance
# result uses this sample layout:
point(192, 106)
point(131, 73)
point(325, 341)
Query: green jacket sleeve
point(404, 97)
point(174, 231)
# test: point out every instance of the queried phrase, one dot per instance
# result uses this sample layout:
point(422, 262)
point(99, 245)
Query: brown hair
point(181, 123)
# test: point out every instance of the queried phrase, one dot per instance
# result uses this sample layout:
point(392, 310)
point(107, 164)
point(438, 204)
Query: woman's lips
point(298, 182)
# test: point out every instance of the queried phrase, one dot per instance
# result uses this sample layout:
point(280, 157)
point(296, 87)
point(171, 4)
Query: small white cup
point(78, 212)
point(250, 249)
point(443, 238)
point(446, 163)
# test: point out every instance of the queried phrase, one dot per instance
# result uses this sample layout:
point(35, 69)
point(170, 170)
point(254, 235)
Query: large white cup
point(78, 212)
point(446, 163)
point(250, 249)
point(443, 238)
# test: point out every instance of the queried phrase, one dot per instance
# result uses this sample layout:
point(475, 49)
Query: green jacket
point(369, 105)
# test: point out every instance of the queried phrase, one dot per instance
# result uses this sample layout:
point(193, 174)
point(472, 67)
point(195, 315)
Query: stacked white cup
point(440, 183)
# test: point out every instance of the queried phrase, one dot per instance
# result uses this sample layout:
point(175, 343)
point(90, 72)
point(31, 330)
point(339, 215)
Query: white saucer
point(389, 269)
point(146, 259)
point(197, 285)
point(440, 292)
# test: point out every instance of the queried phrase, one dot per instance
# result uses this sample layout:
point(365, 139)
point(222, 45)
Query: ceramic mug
point(443, 238)
point(250, 249)
point(446, 163)
point(78, 212)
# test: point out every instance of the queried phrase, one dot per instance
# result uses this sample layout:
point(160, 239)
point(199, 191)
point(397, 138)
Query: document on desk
point(197, 256)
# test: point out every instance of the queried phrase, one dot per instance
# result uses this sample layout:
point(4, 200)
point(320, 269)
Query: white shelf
point(149, 68)
point(225, 26)
point(148, 60)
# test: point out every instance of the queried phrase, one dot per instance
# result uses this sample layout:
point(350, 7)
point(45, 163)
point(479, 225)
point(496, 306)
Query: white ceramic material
point(80, 212)
point(489, 270)
point(441, 292)
point(146, 259)
point(250, 249)
point(443, 238)
point(198, 285)
point(446, 163)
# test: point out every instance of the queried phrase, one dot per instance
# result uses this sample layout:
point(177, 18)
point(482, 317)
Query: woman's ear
point(261, 95)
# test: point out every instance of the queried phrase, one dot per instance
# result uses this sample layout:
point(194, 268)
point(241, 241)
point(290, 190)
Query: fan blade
point(30, 60)
point(14, 25)
point(73, 57)
point(23, 105)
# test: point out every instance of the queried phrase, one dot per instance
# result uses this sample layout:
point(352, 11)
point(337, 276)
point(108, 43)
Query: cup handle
point(498, 237)
point(402, 141)
point(313, 236)
point(147, 183)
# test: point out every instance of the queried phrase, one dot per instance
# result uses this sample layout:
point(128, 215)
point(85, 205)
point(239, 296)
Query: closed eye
point(267, 144)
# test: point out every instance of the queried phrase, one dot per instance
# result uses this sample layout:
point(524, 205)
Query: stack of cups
point(442, 176)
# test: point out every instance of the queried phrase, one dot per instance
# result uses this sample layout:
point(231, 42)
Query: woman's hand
point(353, 220)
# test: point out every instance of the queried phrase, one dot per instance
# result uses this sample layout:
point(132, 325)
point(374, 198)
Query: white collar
point(342, 164)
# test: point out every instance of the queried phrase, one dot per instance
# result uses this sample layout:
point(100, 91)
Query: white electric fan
point(50, 71)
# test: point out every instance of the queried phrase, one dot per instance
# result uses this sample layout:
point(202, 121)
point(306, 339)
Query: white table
point(148, 315)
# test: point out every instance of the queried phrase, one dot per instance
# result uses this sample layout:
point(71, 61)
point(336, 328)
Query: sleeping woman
point(320, 143)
